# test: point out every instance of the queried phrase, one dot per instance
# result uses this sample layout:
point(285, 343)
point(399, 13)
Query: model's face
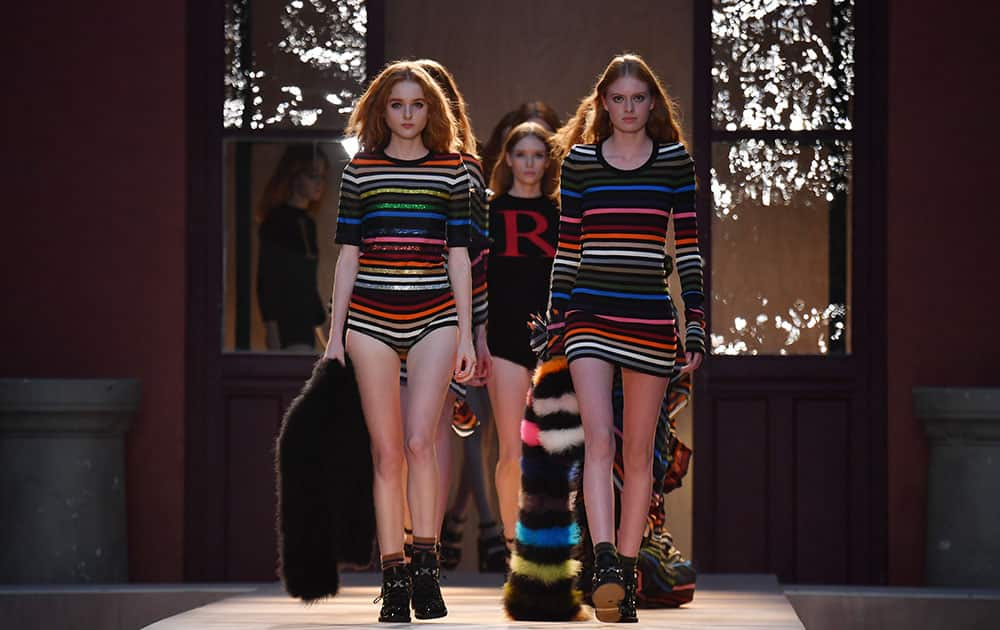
point(310, 184)
point(406, 111)
point(527, 160)
point(629, 103)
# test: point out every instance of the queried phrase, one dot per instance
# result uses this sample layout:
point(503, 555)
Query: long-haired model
point(625, 173)
point(524, 223)
point(404, 208)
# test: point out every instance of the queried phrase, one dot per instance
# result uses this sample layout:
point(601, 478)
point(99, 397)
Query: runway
point(721, 601)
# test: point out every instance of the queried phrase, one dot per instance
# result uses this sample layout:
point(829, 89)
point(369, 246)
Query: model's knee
point(600, 444)
point(637, 455)
point(387, 461)
point(419, 446)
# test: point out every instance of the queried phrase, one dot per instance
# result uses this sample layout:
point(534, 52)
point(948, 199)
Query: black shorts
point(509, 338)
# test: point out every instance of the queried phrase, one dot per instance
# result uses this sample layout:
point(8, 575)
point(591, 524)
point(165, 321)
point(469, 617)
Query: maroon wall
point(943, 225)
point(93, 239)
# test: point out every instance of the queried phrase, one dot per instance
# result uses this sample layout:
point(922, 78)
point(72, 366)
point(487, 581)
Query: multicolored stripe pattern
point(541, 585)
point(610, 264)
point(403, 214)
point(479, 250)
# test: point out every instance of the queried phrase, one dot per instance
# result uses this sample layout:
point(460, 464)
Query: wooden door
point(790, 420)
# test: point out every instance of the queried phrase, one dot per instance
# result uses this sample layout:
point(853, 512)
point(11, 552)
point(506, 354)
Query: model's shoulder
point(583, 151)
point(673, 151)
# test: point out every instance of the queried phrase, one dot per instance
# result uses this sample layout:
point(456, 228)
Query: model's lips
point(529, 173)
point(630, 118)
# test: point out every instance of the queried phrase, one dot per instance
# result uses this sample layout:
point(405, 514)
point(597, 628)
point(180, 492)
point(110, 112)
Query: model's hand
point(484, 360)
point(465, 359)
point(693, 362)
point(335, 350)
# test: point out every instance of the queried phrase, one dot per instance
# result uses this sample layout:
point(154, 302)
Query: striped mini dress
point(403, 215)
point(609, 298)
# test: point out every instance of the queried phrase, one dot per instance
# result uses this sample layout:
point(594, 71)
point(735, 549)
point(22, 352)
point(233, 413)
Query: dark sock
point(605, 548)
point(424, 544)
point(393, 560)
point(628, 564)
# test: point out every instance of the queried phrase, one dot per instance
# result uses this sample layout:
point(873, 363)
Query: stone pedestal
point(62, 479)
point(963, 488)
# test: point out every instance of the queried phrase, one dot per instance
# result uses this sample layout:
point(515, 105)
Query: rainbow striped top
point(413, 208)
point(479, 249)
point(612, 239)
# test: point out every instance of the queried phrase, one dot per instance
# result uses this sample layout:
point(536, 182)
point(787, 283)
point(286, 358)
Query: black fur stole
point(324, 469)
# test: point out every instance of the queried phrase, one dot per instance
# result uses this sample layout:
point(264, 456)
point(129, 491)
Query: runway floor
point(721, 601)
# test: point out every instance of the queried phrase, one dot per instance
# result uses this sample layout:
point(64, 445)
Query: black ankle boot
point(451, 541)
point(426, 573)
point(395, 596)
point(627, 607)
point(492, 549)
point(609, 587)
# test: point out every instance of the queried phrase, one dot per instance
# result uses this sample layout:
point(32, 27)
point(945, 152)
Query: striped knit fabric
point(403, 214)
point(479, 250)
point(541, 585)
point(609, 288)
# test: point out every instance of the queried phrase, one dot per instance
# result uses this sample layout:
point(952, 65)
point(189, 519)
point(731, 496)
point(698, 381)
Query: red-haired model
point(625, 173)
point(404, 202)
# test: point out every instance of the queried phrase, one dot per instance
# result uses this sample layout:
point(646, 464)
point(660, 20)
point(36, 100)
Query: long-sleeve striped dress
point(609, 298)
point(403, 214)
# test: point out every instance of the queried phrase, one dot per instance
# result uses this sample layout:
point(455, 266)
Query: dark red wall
point(943, 228)
point(93, 238)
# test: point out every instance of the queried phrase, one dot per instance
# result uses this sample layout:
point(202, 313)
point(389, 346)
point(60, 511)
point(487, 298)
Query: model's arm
point(479, 253)
point(459, 238)
point(349, 223)
point(690, 266)
point(343, 286)
point(567, 258)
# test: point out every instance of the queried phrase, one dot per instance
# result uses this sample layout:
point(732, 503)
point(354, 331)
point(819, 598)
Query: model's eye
point(638, 98)
point(617, 98)
point(418, 105)
point(395, 105)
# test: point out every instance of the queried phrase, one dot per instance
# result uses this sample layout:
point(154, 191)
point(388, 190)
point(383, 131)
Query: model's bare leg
point(592, 381)
point(376, 366)
point(508, 387)
point(430, 365)
point(643, 395)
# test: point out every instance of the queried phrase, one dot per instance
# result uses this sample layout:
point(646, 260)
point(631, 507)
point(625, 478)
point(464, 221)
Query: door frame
point(206, 365)
point(869, 238)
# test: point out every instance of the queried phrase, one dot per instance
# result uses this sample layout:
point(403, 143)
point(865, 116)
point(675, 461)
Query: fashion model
point(625, 173)
point(404, 211)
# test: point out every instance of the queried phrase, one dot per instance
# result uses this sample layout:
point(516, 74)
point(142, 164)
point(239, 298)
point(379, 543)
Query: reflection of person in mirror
point(404, 208)
point(625, 173)
point(524, 220)
point(286, 269)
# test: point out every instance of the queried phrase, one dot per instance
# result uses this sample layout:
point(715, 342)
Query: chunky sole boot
point(628, 605)
point(609, 589)
point(451, 541)
point(395, 596)
point(426, 574)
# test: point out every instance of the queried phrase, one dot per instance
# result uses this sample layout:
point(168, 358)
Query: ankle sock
point(393, 560)
point(422, 544)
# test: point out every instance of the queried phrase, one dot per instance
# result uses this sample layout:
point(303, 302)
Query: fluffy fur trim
point(562, 440)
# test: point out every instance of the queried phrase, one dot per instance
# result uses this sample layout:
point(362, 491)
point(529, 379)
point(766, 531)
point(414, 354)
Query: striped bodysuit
point(403, 214)
point(609, 297)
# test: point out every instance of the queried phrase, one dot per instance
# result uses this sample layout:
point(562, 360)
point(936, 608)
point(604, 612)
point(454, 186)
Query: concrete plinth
point(62, 479)
point(963, 490)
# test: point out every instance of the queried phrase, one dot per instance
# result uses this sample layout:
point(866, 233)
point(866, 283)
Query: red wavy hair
point(368, 124)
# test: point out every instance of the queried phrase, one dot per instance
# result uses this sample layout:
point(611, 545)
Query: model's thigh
point(643, 395)
point(508, 388)
point(592, 384)
point(376, 367)
point(430, 365)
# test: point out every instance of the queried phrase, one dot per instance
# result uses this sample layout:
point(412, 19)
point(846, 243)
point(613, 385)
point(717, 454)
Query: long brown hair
point(297, 159)
point(591, 123)
point(502, 177)
point(524, 112)
point(446, 81)
point(367, 122)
